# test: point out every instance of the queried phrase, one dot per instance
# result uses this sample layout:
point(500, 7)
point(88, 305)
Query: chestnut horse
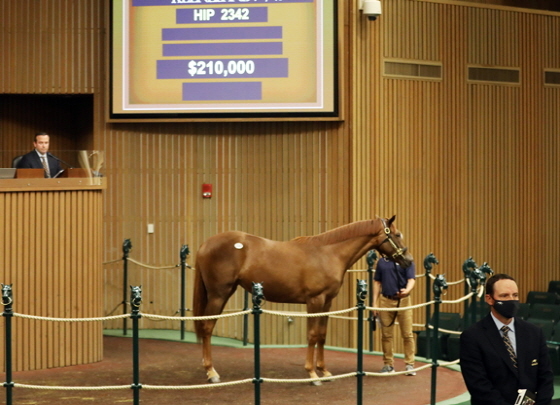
point(305, 270)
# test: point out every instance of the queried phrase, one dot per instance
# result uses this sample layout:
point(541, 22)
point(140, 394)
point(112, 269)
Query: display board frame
point(189, 64)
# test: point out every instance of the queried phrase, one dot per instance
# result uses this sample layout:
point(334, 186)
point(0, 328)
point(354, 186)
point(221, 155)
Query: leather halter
point(398, 251)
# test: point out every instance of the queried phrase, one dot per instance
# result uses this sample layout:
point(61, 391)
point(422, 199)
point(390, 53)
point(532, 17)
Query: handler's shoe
point(387, 369)
point(410, 370)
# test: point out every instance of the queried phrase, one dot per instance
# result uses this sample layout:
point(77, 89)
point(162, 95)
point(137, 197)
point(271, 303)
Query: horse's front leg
point(312, 336)
point(322, 327)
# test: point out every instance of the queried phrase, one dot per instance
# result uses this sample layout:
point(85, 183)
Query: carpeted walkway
point(167, 363)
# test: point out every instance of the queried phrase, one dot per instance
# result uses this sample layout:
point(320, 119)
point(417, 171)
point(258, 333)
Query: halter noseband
point(398, 251)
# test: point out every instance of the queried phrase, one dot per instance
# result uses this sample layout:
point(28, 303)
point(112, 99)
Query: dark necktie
point(45, 166)
point(505, 329)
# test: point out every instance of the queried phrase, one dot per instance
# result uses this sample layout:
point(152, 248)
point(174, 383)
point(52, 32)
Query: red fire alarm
point(207, 191)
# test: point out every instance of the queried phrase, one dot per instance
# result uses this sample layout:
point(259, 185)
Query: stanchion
point(370, 259)
point(245, 318)
point(7, 300)
point(468, 267)
point(488, 272)
point(439, 285)
point(135, 301)
point(127, 246)
point(429, 261)
point(258, 298)
point(183, 255)
point(361, 296)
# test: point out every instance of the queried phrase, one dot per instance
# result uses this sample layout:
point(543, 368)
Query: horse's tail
point(200, 301)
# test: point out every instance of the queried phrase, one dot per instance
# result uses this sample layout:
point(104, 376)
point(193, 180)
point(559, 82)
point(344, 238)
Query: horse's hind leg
point(215, 306)
point(211, 373)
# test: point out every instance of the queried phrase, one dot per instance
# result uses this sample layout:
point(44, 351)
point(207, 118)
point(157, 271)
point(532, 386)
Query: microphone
point(58, 174)
point(60, 160)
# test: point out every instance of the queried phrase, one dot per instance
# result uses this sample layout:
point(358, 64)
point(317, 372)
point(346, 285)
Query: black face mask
point(508, 309)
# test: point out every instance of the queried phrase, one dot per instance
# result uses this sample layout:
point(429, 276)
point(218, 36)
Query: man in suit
point(39, 158)
point(494, 367)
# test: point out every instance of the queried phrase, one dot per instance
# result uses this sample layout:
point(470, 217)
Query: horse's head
point(392, 246)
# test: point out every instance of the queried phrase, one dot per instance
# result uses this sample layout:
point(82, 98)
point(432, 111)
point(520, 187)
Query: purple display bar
point(200, 34)
point(175, 3)
point(222, 68)
point(227, 48)
point(228, 91)
point(216, 15)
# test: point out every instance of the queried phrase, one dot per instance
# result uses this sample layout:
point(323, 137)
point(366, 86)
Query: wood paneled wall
point(51, 253)
point(470, 168)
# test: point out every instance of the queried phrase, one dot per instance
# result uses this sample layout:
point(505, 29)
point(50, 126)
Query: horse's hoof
point(316, 383)
point(214, 379)
point(327, 374)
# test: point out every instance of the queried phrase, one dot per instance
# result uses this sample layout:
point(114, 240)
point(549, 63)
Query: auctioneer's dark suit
point(31, 160)
point(488, 370)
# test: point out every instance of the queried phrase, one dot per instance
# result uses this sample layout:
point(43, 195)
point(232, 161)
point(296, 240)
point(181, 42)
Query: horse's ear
point(390, 221)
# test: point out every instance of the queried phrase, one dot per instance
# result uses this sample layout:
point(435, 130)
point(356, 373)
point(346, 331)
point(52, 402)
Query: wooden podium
point(51, 253)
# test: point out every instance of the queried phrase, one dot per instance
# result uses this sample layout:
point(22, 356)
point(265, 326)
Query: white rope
point(466, 297)
point(148, 266)
point(449, 363)
point(112, 261)
point(309, 380)
point(230, 383)
point(62, 388)
point(153, 267)
point(306, 315)
point(195, 318)
point(191, 387)
point(397, 372)
point(45, 318)
point(400, 308)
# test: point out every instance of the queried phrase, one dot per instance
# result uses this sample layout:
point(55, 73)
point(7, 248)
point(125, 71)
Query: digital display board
point(189, 59)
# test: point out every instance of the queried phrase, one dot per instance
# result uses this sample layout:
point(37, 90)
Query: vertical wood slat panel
point(51, 254)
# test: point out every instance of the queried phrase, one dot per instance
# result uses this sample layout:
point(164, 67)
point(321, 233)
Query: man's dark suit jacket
point(32, 160)
point(488, 371)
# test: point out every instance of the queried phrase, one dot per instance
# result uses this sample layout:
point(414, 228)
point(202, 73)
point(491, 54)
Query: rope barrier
point(195, 318)
point(190, 267)
point(240, 313)
point(45, 318)
point(70, 388)
point(230, 383)
point(244, 381)
point(197, 386)
point(154, 267)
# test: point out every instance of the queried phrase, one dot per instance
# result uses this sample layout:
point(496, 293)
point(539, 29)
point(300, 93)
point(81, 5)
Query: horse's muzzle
point(404, 260)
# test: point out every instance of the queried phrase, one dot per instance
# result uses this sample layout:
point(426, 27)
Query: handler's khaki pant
point(404, 319)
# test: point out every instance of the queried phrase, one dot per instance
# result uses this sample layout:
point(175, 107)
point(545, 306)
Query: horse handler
point(391, 289)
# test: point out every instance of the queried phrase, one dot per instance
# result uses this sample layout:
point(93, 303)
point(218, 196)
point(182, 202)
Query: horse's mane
point(344, 232)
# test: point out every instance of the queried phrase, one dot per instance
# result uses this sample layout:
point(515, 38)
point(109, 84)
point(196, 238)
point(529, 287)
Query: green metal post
point(439, 285)
point(127, 246)
point(7, 300)
point(258, 297)
point(371, 258)
point(183, 255)
point(469, 266)
point(429, 261)
point(361, 295)
point(245, 318)
point(135, 301)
